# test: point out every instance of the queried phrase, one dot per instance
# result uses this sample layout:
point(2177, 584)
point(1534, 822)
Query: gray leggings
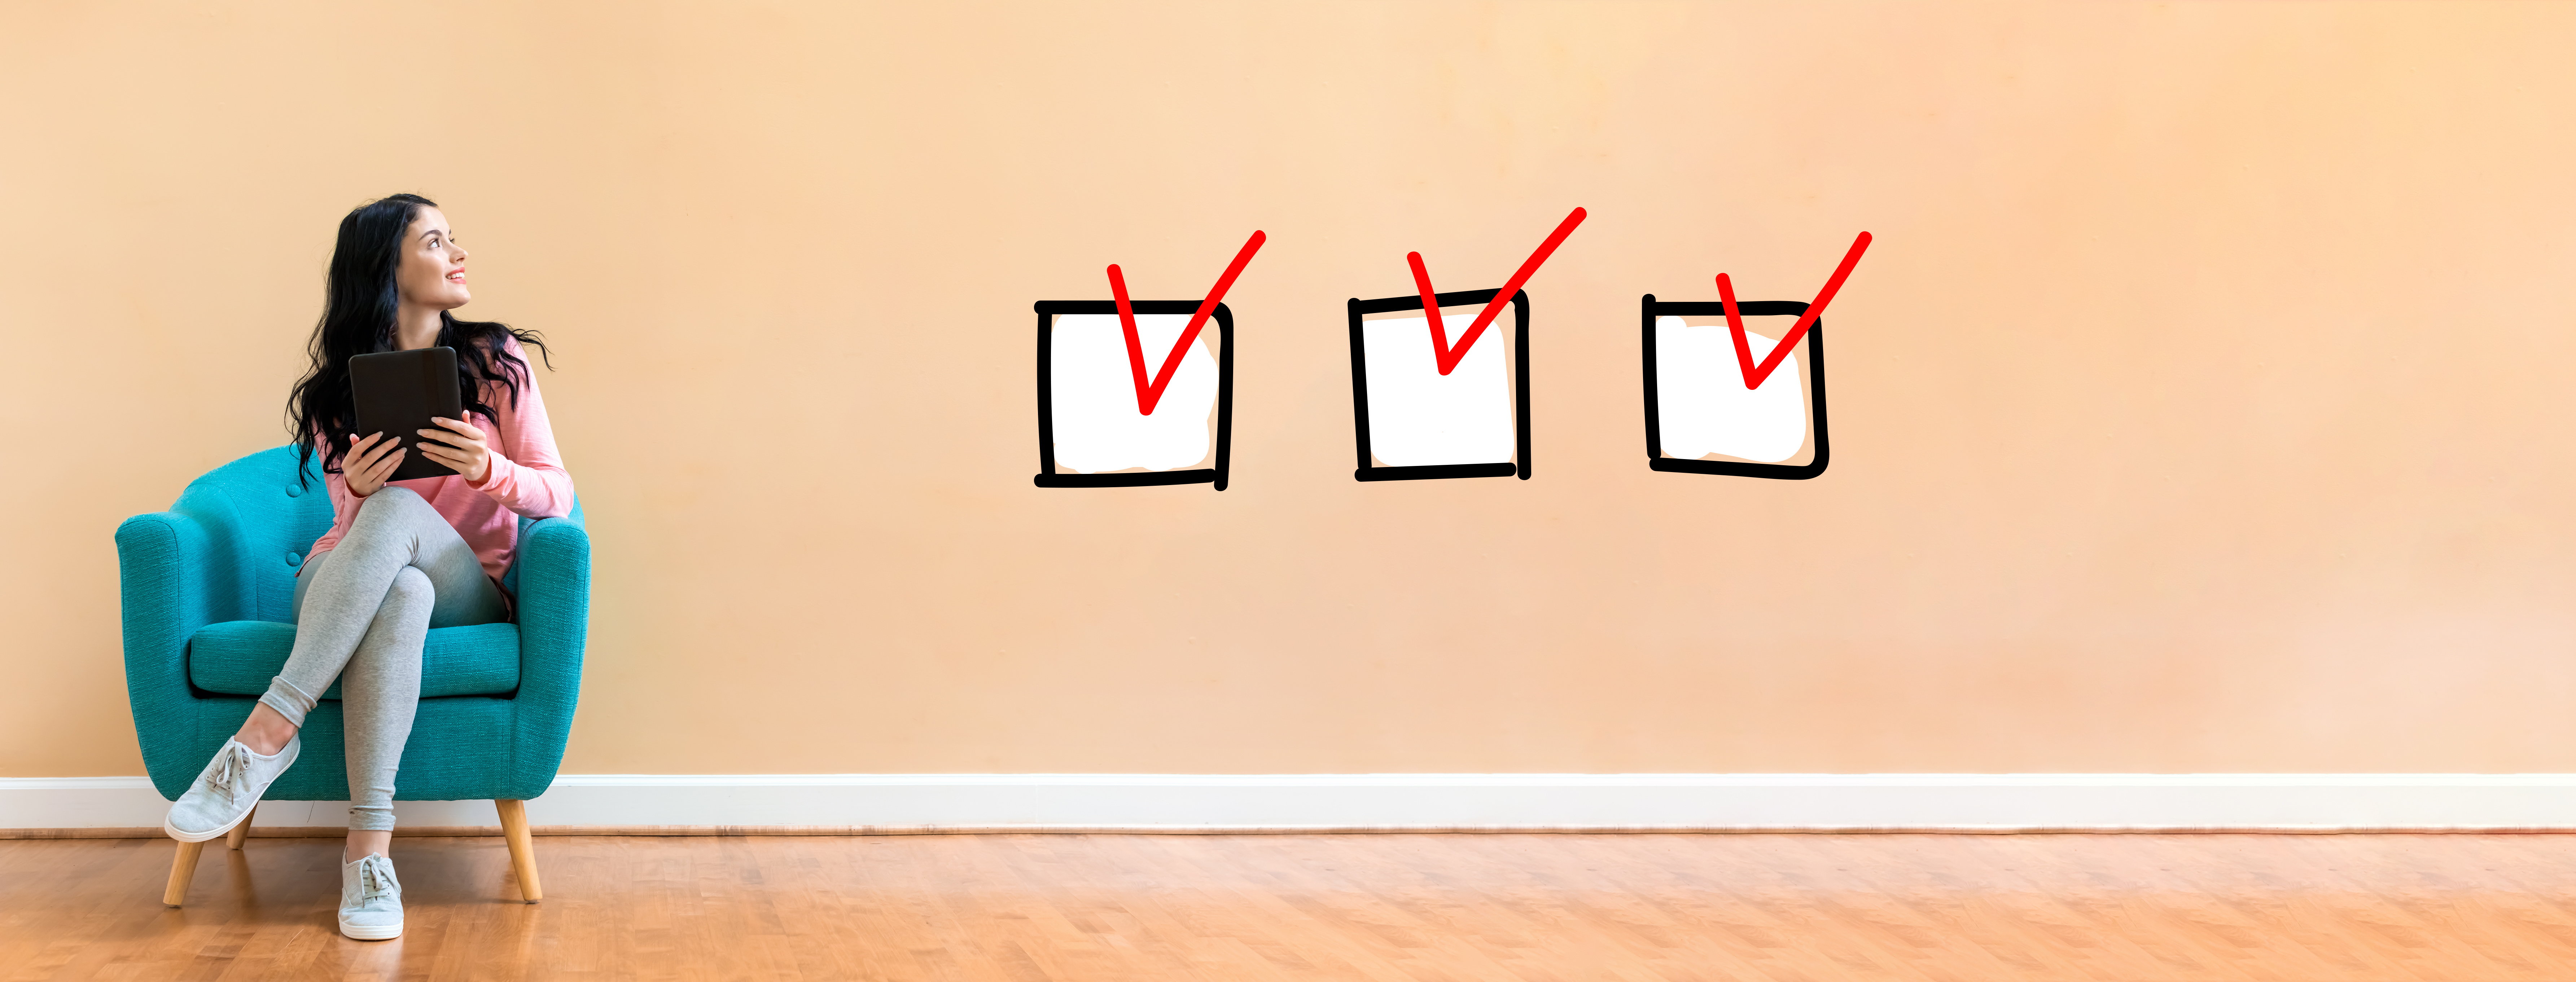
point(362, 611)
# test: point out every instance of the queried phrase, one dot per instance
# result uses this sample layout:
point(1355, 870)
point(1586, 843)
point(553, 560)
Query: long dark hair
point(359, 301)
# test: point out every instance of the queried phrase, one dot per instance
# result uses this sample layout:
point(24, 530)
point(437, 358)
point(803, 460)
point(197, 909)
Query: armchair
point(207, 589)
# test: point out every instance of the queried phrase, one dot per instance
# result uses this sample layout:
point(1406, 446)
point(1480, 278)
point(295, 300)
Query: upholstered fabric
point(239, 657)
point(226, 553)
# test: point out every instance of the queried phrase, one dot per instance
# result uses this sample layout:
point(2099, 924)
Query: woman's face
point(432, 273)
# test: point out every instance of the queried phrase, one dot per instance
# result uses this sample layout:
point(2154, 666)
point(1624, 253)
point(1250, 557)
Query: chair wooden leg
point(183, 867)
point(233, 839)
point(523, 851)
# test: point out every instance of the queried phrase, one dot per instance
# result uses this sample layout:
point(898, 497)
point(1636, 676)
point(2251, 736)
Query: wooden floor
point(1395, 907)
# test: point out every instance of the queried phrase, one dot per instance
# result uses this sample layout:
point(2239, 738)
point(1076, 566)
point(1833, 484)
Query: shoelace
point(375, 879)
point(231, 766)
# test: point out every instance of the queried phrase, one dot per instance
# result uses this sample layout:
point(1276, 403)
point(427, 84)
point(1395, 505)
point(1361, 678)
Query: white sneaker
point(370, 899)
point(227, 790)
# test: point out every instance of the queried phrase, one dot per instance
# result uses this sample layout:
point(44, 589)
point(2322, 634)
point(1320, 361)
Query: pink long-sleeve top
point(525, 477)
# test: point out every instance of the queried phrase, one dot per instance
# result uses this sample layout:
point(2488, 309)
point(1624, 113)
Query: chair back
point(260, 520)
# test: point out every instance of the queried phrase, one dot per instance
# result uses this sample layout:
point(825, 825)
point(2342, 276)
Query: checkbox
point(1413, 422)
point(1701, 418)
point(1092, 432)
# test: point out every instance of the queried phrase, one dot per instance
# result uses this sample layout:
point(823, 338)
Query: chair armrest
point(554, 625)
point(164, 564)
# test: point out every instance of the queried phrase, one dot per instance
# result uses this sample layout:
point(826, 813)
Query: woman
point(401, 558)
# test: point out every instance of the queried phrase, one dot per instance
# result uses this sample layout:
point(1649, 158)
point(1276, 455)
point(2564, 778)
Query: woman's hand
point(458, 445)
point(369, 461)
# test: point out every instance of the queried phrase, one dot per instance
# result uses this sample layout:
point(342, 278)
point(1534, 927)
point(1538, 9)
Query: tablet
point(397, 392)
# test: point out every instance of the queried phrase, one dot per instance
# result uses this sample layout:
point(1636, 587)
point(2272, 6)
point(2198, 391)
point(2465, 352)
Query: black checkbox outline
point(1815, 342)
point(1047, 476)
point(1520, 385)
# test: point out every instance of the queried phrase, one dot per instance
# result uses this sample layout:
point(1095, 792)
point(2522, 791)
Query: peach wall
point(2201, 406)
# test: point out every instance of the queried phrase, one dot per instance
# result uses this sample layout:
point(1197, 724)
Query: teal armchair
point(208, 588)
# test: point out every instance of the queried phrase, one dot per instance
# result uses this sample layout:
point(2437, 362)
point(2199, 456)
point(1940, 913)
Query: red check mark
point(1442, 354)
point(1753, 374)
point(1148, 394)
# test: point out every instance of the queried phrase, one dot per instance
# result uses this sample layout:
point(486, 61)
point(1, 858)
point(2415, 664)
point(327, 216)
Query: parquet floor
point(1385, 907)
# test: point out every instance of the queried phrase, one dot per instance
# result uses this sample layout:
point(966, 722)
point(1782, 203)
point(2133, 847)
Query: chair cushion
point(240, 657)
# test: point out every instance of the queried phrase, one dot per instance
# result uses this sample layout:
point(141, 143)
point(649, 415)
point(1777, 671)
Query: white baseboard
point(1931, 802)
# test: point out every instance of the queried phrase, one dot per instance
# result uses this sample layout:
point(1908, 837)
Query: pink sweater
point(525, 477)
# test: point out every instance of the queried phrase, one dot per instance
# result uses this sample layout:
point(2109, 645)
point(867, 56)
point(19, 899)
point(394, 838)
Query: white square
point(1703, 407)
point(1419, 417)
point(1097, 426)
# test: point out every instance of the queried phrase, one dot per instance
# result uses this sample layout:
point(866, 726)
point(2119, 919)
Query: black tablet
point(396, 394)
